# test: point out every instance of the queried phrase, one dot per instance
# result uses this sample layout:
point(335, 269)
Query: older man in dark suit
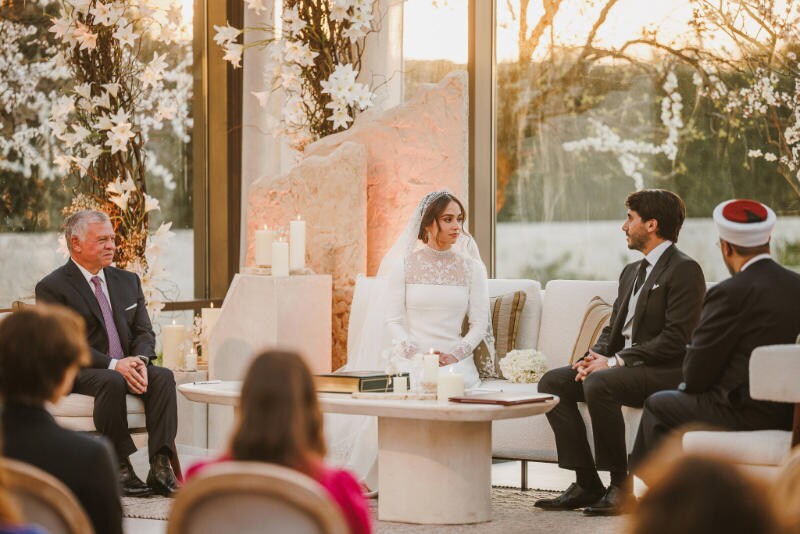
point(759, 305)
point(638, 353)
point(122, 346)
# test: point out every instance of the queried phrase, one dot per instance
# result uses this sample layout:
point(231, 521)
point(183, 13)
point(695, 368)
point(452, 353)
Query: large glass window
point(34, 191)
point(597, 99)
point(434, 41)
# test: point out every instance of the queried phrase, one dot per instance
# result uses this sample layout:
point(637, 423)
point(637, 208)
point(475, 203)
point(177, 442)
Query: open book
point(503, 398)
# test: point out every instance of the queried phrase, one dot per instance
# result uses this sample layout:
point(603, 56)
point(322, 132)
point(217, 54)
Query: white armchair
point(774, 371)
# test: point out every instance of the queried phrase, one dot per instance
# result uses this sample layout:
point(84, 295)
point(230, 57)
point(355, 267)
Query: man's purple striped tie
point(114, 345)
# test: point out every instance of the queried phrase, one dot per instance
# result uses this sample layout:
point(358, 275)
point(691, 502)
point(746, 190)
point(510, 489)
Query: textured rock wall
point(412, 149)
point(330, 193)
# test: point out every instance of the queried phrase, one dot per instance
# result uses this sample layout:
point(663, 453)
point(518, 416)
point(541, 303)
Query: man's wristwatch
point(612, 361)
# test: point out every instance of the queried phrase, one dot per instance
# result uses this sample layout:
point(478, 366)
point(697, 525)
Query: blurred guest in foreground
point(41, 350)
point(699, 495)
point(280, 422)
point(785, 495)
point(10, 518)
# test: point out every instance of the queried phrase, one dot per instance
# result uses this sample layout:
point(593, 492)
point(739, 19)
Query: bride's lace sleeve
point(478, 312)
point(396, 310)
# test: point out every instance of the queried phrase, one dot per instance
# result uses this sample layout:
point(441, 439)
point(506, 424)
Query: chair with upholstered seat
point(44, 500)
point(254, 497)
point(774, 370)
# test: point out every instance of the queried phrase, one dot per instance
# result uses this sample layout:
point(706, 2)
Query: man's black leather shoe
point(132, 486)
point(574, 497)
point(610, 504)
point(161, 479)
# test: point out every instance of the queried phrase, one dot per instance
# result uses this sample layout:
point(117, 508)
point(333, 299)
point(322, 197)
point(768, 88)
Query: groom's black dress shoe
point(574, 497)
point(161, 479)
point(132, 486)
point(610, 504)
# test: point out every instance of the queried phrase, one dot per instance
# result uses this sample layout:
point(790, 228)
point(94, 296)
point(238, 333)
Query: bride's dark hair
point(434, 211)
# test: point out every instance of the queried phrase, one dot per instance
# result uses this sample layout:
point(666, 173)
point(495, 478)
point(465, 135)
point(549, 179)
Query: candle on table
point(280, 258)
point(430, 368)
point(209, 317)
point(172, 338)
point(191, 360)
point(400, 384)
point(264, 239)
point(450, 385)
point(297, 244)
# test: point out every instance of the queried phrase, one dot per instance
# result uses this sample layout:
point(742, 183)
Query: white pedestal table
point(434, 459)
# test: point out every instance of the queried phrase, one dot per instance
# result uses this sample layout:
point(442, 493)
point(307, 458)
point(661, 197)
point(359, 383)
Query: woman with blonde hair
point(280, 422)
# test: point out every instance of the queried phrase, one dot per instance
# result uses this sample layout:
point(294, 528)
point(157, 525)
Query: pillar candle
point(280, 258)
point(210, 316)
point(264, 239)
point(297, 244)
point(450, 385)
point(190, 362)
point(172, 338)
point(430, 368)
point(400, 384)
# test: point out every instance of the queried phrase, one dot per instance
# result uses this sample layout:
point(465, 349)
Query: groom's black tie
point(641, 275)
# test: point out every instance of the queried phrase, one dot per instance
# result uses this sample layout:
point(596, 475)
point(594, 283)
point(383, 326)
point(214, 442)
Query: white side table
point(267, 312)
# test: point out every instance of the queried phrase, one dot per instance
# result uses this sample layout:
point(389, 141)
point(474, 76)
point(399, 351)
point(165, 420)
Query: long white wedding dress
point(419, 301)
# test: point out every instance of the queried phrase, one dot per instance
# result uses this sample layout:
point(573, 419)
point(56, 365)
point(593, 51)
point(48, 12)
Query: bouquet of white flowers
point(523, 366)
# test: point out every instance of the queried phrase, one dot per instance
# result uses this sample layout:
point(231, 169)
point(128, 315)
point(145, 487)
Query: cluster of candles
point(445, 385)
point(175, 336)
point(273, 251)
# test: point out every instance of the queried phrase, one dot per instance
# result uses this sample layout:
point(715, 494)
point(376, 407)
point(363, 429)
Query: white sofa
point(550, 322)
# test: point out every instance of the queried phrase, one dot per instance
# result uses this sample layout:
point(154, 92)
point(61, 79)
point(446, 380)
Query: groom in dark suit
point(638, 353)
point(122, 344)
point(759, 305)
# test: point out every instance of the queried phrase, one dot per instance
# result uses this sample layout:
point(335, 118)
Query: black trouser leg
point(565, 419)
point(110, 415)
point(161, 410)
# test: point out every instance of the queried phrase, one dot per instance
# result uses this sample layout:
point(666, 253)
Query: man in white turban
point(759, 305)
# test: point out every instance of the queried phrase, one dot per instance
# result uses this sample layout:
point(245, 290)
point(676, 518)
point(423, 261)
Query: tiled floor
point(540, 475)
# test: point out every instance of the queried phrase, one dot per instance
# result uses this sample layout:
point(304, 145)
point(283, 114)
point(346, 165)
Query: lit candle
point(172, 338)
point(297, 244)
point(210, 317)
point(450, 385)
point(191, 360)
point(264, 239)
point(280, 258)
point(400, 384)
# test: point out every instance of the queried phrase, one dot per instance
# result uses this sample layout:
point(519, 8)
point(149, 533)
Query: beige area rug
point(156, 507)
point(513, 512)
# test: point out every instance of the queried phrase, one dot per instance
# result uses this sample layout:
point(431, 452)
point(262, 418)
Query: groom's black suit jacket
point(666, 312)
point(67, 286)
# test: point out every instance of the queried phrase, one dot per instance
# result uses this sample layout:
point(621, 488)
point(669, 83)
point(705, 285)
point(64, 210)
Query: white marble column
point(382, 62)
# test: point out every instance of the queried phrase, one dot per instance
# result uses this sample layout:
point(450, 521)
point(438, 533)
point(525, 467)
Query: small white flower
point(233, 55)
point(340, 118)
point(150, 203)
point(226, 34)
point(85, 37)
point(292, 21)
point(769, 156)
point(121, 116)
point(120, 200)
point(61, 27)
point(84, 91)
point(125, 35)
point(754, 154)
point(101, 14)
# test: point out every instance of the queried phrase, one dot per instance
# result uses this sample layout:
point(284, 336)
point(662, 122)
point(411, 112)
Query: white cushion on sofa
point(565, 303)
point(74, 411)
point(755, 447)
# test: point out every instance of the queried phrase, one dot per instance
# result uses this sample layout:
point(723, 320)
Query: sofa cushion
point(74, 411)
point(564, 304)
point(506, 312)
point(596, 317)
point(756, 447)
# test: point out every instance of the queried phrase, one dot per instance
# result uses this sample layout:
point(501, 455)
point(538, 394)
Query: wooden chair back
point(254, 497)
point(45, 500)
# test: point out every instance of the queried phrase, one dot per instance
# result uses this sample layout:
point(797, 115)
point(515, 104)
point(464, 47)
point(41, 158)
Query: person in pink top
point(280, 422)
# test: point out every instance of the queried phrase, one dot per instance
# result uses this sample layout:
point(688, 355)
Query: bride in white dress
point(429, 281)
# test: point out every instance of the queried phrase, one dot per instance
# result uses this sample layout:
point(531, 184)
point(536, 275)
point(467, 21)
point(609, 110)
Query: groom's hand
point(446, 359)
point(589, 364)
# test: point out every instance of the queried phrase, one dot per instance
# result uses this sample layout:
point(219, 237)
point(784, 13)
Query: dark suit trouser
point(108, 387)
point(668, 410)
point(604, 392)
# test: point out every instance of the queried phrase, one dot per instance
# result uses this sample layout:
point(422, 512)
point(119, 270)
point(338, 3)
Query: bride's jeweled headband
point(430, 198)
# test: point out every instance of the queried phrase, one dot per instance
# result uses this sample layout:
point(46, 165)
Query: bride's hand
point(446, 359)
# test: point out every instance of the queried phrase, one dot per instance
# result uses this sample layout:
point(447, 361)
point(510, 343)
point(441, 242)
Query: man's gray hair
point(77, 224)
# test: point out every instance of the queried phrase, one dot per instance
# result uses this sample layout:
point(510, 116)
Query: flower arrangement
point(523, 366)
point(103, 118)
point(315, 59)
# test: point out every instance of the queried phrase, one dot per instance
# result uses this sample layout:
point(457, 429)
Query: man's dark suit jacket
point(67, 286)
point(667, 310)
point(757, 306)
point(84, 464)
